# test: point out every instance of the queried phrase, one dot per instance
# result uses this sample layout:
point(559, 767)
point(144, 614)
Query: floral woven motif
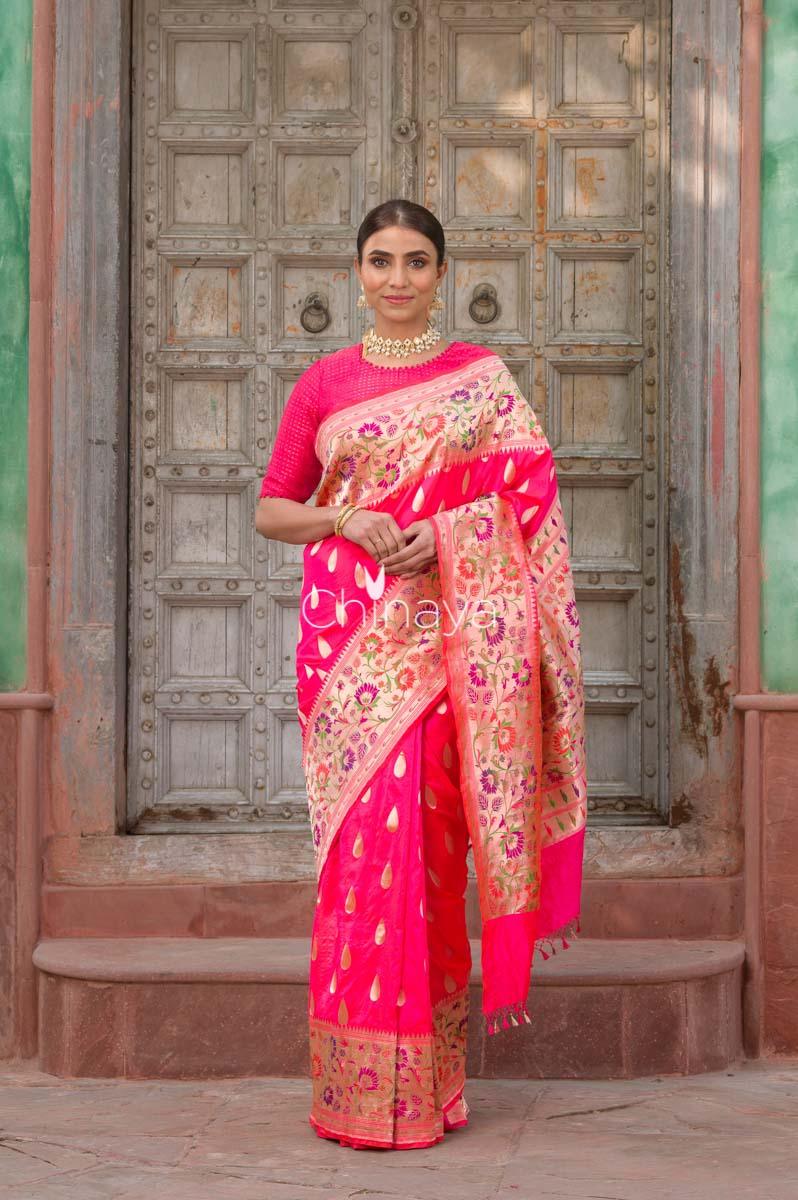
point(437, 711)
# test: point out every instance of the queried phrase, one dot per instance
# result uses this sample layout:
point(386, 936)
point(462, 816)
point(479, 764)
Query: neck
point(391, 329)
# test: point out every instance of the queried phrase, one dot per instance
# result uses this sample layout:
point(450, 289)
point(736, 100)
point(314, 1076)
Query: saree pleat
point(390, 957)
point(426, 732)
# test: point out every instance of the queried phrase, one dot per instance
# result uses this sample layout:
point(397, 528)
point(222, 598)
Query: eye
point(377, 260)
point(423, 261)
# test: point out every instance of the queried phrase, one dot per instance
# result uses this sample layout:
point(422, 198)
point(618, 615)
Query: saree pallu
point(437, 711)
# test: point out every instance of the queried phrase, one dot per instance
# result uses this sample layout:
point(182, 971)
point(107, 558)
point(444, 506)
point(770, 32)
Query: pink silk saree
point(436, 711)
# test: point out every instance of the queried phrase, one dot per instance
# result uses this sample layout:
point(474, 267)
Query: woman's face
point(400, 262)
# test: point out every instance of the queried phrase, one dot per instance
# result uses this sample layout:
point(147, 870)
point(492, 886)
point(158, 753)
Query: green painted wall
point(15, 119)
point(779, 363)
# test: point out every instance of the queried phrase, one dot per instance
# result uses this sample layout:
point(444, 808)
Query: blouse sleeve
point(294, 470)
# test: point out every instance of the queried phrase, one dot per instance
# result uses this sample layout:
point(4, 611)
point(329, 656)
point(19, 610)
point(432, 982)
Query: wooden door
point(263, 133)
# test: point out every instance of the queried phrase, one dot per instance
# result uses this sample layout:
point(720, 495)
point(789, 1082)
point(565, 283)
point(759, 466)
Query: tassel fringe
point(570, 929)
point(498, 1019)
point(517, 1013)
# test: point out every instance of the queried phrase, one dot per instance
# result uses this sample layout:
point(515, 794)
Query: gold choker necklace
point(401, 347)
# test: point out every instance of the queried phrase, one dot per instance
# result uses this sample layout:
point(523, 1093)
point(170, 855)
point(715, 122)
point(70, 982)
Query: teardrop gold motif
point(349, 904)
point(332, 560)
point(374, 994)
point(379, 933)
point(421, 907)
point(314, 597)
point(447, 755)
point(386, 879)
point(333, 982)
point(360, 575)
point(314, 549)
point(448, 841)
point(418, 500)
point(357, 849)
point(340, 612)
point(442, 707)
point(376, 586)
point(400, 999)
point(433, 877)
point(392, 824)
point(364, 799)
point(429, 796)
point(325, 649)
point(314, 949)
point(466, 480)
point(343, 1013)
point(346, 958)
point(449, 984)
point(400, 766)
point(509, 471)
point(529, 512)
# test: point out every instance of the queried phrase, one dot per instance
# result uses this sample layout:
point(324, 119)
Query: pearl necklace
point(401, 347)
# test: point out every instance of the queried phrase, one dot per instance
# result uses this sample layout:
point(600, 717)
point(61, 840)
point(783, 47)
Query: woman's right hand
point(377, 533)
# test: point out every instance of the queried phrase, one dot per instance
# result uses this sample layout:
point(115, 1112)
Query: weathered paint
point(15, 144)
point(779, 349)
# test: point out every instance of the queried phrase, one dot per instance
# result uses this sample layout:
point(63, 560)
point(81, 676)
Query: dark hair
point(406, 214)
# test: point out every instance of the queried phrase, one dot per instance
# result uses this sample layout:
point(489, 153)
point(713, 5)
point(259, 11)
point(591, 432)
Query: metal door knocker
point(315, 314)
point(484, 306)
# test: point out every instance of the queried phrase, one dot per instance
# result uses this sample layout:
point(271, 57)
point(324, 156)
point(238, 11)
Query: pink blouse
point(331, 383)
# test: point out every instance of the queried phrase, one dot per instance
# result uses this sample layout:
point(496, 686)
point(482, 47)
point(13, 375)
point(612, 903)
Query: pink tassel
point(505, 1023)
point(565, 945)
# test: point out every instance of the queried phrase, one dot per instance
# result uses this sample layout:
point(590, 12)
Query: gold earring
point(437, 302)
point(361, 300)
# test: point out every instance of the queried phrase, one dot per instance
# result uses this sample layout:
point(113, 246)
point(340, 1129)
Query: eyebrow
point(410, 253)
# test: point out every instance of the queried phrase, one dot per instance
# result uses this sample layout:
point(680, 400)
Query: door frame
point(87, 842)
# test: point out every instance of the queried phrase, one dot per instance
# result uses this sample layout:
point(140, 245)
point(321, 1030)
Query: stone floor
point(726, 1136)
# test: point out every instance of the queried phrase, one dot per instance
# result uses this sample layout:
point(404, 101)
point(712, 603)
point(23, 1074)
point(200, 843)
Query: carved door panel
point(541, 151)
point(263, 133)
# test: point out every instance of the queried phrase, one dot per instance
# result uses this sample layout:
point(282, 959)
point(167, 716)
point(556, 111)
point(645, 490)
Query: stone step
point(683, 907)
point(201, 1008)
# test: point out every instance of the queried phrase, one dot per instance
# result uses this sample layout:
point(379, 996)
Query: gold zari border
point(388, 1088)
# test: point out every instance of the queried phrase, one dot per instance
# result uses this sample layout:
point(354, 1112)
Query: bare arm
point(378, 533)
point(286, 520)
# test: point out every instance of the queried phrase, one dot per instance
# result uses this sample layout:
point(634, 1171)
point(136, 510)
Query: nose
point(398, 278)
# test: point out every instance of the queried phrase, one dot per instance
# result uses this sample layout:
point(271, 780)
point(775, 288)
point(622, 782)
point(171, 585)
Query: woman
point(439, 691)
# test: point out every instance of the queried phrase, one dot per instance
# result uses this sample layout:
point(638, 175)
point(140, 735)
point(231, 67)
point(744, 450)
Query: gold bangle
point(345, 512)
point(342, 512)
point(345, 517)
point(338, 518)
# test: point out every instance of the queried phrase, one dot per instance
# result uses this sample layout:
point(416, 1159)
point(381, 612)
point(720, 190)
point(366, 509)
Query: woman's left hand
point(420, 552)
